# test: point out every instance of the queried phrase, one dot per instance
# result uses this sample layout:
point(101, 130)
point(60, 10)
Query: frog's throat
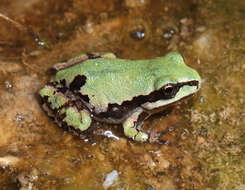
point(183, 92)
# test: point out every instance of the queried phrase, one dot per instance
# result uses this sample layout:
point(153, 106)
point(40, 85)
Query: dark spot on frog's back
point(78, 82)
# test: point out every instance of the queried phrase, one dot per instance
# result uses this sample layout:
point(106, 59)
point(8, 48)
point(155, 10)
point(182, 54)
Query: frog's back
point(110, 81)
point(114, 81)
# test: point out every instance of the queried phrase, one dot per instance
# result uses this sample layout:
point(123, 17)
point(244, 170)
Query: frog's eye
point(170, 90)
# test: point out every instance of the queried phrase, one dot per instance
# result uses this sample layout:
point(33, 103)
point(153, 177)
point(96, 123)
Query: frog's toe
point(131, 127)
point(131, 132)
point(141, 137)
point(79, 120)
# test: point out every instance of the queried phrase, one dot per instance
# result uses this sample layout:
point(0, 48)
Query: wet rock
point(111, 178)
point(8, 161)
point(135, 3)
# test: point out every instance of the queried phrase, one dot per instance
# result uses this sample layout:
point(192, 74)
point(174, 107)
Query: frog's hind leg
point(65, 112)
point(132, 124)
point(80, 120)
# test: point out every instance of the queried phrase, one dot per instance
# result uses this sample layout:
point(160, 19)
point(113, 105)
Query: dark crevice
point(93, 55)
point(63, 82)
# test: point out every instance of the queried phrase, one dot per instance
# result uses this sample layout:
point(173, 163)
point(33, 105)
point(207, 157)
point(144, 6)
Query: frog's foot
point(57, 106)
point(80, 120)
point(131, 127)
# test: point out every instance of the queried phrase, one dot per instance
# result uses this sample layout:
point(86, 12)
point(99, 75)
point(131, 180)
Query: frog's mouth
point(171, 93)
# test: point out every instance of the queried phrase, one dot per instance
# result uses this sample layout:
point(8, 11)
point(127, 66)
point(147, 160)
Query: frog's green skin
point(105, 88)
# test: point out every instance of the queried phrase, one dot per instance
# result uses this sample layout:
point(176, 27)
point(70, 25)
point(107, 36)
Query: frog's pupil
point(169, 90)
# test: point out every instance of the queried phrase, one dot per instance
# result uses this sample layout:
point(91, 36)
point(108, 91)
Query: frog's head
point(174, 80)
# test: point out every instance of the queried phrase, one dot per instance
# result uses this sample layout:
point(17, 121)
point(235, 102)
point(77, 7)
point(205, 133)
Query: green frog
point(105, 88)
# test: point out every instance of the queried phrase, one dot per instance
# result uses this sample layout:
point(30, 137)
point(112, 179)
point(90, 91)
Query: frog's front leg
point(132, 124)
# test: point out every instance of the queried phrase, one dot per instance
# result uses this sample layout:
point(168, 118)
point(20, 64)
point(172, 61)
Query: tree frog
point(105, 88)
